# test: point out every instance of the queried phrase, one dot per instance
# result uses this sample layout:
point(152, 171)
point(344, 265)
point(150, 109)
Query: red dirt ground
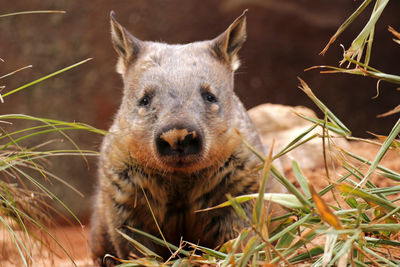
point(75, 239)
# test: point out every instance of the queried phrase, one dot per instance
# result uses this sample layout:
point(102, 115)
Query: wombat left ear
point(126, 45)
point(227, 44)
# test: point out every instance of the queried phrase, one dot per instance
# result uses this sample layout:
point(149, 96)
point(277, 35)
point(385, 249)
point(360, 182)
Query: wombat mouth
point(180, 162)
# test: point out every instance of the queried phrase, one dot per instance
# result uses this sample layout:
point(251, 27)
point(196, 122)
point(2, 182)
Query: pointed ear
point(227, 45)
point(126, 45)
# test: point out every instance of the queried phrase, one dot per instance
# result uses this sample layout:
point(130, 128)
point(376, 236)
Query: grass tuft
point(25, 201)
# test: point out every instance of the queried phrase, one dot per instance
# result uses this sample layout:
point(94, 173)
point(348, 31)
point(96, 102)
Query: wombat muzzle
point(177, 142)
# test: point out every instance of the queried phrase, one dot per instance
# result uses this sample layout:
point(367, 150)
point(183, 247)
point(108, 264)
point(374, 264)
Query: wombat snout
point(178, 141)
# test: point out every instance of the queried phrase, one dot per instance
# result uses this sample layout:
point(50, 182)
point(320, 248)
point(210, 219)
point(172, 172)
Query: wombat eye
point(209, 97)
point(144, 101)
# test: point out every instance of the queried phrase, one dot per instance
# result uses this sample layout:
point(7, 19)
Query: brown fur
point(174, 143)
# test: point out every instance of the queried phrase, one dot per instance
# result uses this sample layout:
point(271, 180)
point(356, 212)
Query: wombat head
point(177, 112)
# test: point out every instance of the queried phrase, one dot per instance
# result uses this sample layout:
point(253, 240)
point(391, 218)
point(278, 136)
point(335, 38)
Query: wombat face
point(176, 113)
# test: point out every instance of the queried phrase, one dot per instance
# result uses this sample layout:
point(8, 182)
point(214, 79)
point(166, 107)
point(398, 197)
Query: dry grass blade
point(33, 12)
point(259, 207)
point(390, 112)
point(382, 139)
point(27, 210)
point(326, 214)
point(395, 33)
point(15, 71)
point(155, 220)
point(345, 24)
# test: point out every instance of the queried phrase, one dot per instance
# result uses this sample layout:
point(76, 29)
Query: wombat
point(174, 146)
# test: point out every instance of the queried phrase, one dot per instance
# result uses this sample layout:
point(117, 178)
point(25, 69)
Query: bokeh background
point(284, 38)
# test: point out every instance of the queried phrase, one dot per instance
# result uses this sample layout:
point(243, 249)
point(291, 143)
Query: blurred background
point(284, 38)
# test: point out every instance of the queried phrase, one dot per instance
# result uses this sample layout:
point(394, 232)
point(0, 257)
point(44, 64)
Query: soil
point(75, 238)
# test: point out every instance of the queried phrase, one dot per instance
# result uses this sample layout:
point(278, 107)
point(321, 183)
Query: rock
point(280, 122)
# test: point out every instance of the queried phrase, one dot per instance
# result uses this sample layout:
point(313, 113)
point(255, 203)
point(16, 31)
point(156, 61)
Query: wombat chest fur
point(174, 146)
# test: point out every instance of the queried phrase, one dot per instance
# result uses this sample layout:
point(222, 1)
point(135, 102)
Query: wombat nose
point(178, 141)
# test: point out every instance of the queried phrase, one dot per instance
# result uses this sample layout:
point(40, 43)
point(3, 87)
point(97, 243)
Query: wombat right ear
point(126, 45)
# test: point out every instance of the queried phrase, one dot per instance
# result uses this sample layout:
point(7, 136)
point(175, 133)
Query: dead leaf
point(323, 209)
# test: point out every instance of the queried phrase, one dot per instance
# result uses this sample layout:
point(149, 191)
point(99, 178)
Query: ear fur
point(125, 44)
point(227, 44)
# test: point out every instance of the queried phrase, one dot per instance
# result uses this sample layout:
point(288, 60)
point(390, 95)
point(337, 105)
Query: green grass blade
point(376, 242)
point(52, 122)
point(159, 241)
point(303, 181)
point(287, 239)
point(388, 173)
point(237, 207)
point(331, 127)
point(287, 200)
point(41, 227)
point(235, 247)
point(307, 255)
point(17, 241)
point(366, 196)
point(346, 248)
point(380, 227)
point(382, 151)
point(368, 52)
point(291, 188)
point(306, 239)
point(307, 90)
point(177, 263)
point(248, 251)
point(27, 136)
point(331, 186)
point(209, 251)
point(45, 78)
point(359, 42)
point(140, 247)
point(290, 228)
point(296, 142)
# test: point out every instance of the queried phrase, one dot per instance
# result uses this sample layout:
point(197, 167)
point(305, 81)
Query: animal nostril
point(187, 140)
point(178, 142)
